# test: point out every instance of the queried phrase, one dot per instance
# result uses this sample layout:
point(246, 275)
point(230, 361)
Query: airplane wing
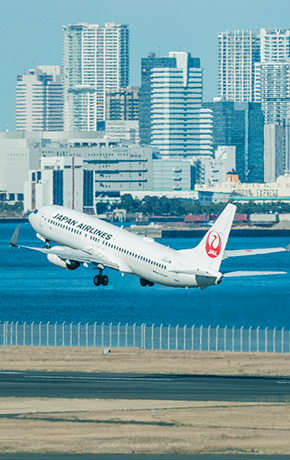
point(64, 252)
point(253, 252)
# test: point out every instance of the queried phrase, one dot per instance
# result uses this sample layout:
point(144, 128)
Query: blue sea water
point(32, 289)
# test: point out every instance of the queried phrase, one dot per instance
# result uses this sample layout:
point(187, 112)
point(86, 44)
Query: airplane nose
point(31, 216)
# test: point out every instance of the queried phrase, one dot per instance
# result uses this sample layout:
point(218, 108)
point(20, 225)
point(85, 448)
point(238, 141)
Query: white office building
point(214, 170)
point(123, 129)
point(176, 97)
point(58, 181)
point(39, 99)
point(274, 151)
point(18, 155)
point(96, 59)
point(172, 175)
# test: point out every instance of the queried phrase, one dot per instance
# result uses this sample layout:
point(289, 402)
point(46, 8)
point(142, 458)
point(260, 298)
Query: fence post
point(184, 337)
point(118, 335)
point(233, 338)
point(266, 340)
point(225, 338)
point(142, 335)
point(24, 331)
point(70, 333)
point(95, 327)
point(258, 337)
point(4, 333)
point(62, 333)
point(47, 334)
point(216, 338)
point(144, 338)
point(250, 334)
point(110, 334)
point(102, 334)
point(192, 337)
point(79, 334)
point(134, 335)
point(152, 336)
point(16, 332)
point(274, 340)
point(160, 333)
point(11, 334)
point(87, 334)
point(208, 338)
point(176, 337)
point(282, 340)
point(200, 338)
point(55, 333)
point(31, 333)
point(39, 333)
point(168, 337)
point(241, 338)
point(126, 335)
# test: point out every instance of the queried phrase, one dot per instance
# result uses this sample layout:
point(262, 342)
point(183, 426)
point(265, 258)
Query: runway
point(143, 386)
point(140, 457)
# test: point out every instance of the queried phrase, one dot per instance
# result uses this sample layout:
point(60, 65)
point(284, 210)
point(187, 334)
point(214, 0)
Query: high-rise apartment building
point(275, 45)
point(95, 59)
point(272, 75)
point(237, 53)
point(170, 104)
point(272, 90)
point(254, 66)
point(122, 104)
point(39, 100)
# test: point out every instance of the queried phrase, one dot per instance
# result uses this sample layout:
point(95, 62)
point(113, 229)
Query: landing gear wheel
point(97, 280)
point(104, 280)
point(143, 282)
point(150, 283)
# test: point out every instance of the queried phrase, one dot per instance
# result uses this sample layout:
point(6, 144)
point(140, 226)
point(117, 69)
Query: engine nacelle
point(67, 264)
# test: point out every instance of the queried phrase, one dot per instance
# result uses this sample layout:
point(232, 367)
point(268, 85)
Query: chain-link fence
point(144, 336)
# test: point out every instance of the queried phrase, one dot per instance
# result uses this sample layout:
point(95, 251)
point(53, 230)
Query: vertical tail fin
point(209, 252)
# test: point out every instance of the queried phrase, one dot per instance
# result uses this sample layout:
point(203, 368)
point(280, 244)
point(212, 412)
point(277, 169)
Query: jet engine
point(67, 264)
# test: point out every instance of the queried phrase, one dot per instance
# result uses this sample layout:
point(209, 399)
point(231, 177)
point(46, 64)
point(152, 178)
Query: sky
point(31, 33)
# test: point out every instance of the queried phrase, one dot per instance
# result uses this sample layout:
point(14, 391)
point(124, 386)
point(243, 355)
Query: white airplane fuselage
point(130, 253)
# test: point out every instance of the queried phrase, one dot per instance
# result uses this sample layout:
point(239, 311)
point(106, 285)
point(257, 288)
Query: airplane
point(83, 239)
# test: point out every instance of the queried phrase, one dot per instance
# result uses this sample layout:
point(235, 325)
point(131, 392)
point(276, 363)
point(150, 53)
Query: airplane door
point(176, 275)
point(43, 216)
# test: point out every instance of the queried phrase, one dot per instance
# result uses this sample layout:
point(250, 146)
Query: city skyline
point(31, 34)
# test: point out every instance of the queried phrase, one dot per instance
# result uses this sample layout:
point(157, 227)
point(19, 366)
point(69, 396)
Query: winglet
point(13, 242)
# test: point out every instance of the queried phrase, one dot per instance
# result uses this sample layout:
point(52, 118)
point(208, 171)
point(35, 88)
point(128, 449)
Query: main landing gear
point(145, 282)
point(101, 279)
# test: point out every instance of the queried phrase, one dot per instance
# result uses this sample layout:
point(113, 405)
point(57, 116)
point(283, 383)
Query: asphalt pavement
point(143, 386)
point(139, 457)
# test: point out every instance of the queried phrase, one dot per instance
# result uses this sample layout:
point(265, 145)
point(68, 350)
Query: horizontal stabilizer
point(252, 252)
point(246, 273)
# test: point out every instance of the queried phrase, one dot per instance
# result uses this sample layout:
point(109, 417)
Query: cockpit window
point(36, 211)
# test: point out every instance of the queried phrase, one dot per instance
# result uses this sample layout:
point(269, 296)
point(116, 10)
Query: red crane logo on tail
point(213, 244)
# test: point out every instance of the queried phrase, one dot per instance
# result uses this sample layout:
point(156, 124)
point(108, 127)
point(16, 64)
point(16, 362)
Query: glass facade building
point(241, 125)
